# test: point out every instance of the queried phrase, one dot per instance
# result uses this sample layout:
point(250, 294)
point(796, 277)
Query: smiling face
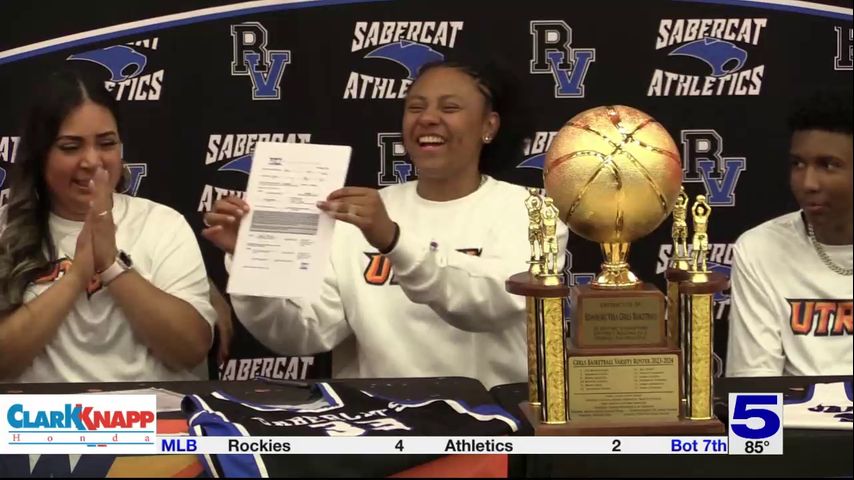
point(821, 176)
point(87, 139)
point(445, 123)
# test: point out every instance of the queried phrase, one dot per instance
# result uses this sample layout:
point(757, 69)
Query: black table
point(405, 389)
point(805, 452)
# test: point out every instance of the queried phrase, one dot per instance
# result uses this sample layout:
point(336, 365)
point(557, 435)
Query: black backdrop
point(219, 75)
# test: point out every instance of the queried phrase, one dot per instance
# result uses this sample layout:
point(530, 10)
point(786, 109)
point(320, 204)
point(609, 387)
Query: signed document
point(283, 243)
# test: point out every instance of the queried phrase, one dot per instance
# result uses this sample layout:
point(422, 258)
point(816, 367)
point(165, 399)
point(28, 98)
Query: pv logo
point(395, 167)
point(135, 173)
point(703, 163)
point(843, 59)
point(8, 149)
point(251, 58)
point(553, 55)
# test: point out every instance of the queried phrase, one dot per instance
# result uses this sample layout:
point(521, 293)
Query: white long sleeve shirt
point(790, 313)
point(436, 305)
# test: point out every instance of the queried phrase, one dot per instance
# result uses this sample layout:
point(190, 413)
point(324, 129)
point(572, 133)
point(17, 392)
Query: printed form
point(284, 241)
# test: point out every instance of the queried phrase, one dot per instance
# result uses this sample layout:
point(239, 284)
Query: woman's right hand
point(83, 266)
point(222, 223)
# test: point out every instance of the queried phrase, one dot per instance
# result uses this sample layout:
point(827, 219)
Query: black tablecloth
point(467, 390)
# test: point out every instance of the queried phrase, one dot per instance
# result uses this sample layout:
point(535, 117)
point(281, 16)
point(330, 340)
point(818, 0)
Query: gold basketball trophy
point(614, 174)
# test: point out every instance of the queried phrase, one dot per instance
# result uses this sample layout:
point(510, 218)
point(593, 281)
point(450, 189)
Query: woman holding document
point(417, 270)
point(94, 285)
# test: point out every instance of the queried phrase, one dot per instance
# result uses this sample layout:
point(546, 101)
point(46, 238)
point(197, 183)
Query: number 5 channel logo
point(755, 423)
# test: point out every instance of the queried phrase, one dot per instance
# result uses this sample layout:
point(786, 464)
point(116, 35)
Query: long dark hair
point(500, 88)
point(26, 247)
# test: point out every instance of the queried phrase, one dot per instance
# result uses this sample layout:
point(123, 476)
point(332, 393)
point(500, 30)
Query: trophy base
point(698, 283)
point(678, 426)
point(530, 285)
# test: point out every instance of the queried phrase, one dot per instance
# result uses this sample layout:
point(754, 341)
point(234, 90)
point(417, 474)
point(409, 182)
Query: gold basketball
point(614, 173)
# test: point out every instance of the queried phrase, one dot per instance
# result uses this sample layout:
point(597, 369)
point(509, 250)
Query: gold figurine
point(679, 232)
point(550, 217)
point(534, 204)
point(700, 244)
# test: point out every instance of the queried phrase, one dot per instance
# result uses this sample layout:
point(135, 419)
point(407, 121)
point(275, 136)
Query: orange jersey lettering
point(379, 268)
point(820, 317)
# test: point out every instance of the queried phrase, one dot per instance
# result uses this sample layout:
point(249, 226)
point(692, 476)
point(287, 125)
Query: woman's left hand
point(100, 220)
point(363, 208)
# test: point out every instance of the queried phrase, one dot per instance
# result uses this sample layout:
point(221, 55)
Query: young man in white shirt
point(791, 279)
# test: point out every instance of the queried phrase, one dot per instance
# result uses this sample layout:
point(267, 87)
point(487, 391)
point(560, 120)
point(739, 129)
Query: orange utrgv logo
point(820, 317)
point(379, 268)
point(58, 269)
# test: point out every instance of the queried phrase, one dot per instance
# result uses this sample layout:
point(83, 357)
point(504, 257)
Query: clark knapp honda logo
point(720, 48)
point(553, 55)
point(409, 45)
point(131, 75)
point(251, 58)
point(232, 152)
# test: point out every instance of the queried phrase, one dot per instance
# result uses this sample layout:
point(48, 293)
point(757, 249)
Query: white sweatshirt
point(791, 314)
point(441, 311)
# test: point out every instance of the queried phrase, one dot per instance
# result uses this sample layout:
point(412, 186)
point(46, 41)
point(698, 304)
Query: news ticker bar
point(688, 445)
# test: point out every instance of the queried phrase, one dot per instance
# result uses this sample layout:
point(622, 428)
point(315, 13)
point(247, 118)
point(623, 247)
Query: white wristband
point(111, 273)
point(121, 265)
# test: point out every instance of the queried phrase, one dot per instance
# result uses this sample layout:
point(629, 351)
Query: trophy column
point(696, 299)
point(547, 387)
point(697, 296)
point(677, 272)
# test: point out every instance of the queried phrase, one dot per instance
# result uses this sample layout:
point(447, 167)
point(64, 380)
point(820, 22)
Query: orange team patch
point(379, 268)
point(59, 268)
point(820, 317)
